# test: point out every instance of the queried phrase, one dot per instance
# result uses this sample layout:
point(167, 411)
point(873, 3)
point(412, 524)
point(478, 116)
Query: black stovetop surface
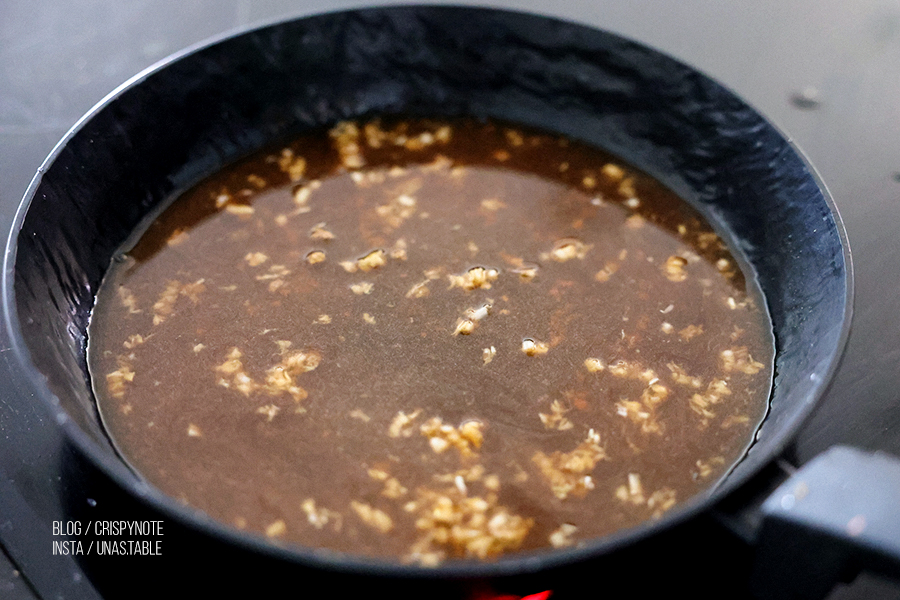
point(827, 72)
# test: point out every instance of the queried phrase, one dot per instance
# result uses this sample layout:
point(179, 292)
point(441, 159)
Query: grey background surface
point(827, 72)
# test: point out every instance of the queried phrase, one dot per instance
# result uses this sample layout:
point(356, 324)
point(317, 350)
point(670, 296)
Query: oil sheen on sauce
point(426, 340)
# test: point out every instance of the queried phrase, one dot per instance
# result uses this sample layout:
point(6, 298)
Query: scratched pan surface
point(185, 119)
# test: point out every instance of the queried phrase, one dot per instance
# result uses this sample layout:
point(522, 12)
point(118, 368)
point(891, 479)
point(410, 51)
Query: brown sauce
point(426, 340)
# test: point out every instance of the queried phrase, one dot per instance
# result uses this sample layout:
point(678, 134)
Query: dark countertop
point(827, 72)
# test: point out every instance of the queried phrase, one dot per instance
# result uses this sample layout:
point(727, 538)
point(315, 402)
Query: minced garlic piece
point(525, 270)
point(368, 318)
point(315, 257)
point(607, 271)
point(707, 239)
point(562, 535)
point(733, 420)
point(372, 260)
point(654, 394)
point(234, 367)
point(301, 197)
point(393, 489)
point(193, 431)
point(469, 474)
point(443, 133)
point(178, 236)
point(301, 361)
point(242, 210)
point(401, 425)
point(680, 376)
point(526, 273)
point(346, 140)
point(594, 365)
point(378, 474)
point(222, 198)
point(293, 166)
point(674, 268)
point(270, 410)
point(534, 348)
point(515, 138)
point(739, 359)
point(492, 204)
point(631, 370)
point(689, 332)
point(565, 250)
point(464, 327)
point(129, 300)
point(556, 419)
point(488, 354)
point(276, 529)
point(320, 233)
point(256, 181)
point(232, 364)
point(359, 414)
point(361, 288)
point(633, 492)
point(419, 290)
point(626, 188)
point(568, 473)
point(392, 486)
point(702, 403)
point(275, 272)
point(734, 304)
point(375, 136)
point(612, 172)
point(640, 414)
point(193, 290)
point(466, 438)
point(373, 517)
point(320, 517)
point(474, 278)
point(397, 210)
point(279, 378)
point(165, 304)
point(635, 222)
point(661, 500)
point(705, 467)
point(115, 381)
point(133, 340)
point(398, 252)
point(254, 259)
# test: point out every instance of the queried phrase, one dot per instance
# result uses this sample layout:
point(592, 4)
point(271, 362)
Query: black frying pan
point(176, 123)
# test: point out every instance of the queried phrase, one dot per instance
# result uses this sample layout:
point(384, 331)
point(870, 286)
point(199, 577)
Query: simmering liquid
point(425, 340)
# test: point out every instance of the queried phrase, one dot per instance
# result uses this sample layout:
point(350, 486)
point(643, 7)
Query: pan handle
point(837, 515)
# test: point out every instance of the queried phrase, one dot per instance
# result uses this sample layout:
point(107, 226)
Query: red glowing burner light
point(539, 596)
